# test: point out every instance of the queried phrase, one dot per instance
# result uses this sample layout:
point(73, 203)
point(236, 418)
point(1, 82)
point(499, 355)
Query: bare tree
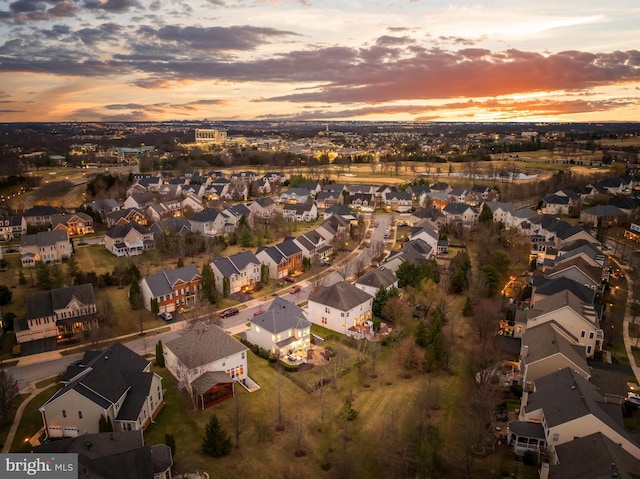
point(299, 435)
point(238, 417)
point(8, 393)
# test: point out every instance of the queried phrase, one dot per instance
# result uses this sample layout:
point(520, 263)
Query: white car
point(633, 398)
point(166, 316)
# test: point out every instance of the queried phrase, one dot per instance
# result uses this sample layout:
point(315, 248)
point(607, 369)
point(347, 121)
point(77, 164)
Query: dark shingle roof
point(44, 303)
point(206, 215)
point(378, 277)
point(162, 282)
point(204, 344)
point(44, 238)
point(281, 316)
point(122, 230)
point(343, 296)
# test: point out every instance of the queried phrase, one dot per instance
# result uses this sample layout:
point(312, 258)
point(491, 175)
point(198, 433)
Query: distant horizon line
point(443, 122)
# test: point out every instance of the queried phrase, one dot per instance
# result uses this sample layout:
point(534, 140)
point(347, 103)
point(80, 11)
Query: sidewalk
point(628, 341)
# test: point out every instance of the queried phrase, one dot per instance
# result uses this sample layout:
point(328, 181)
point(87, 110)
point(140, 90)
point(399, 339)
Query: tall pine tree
point(216, 442)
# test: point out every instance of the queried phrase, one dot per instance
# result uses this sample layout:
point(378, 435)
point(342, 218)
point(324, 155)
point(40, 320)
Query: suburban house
point(593, 455)
point(166, 209)
point(53, 315)
point(126, 216)
point(12, 227)
point(139, 200)
point(556, 205)
point(545, 350)
point(130, 239)
point(114, 454)
point(334, 229)
point(40, 216)
point(314, 246)
point(275, 177)
point(364, 202)
point(578, 321)
point(426, 231)
point(171, 289)
point(602, 215)
point(115, 384)
point(399, 201)
point(372, 281)
point(577, 269)
point(567, 406)
point(294, 195)
point(192, 203)
point(75, 224)
point(103, 207)
point(209, 222)
point(282, 259)
point(262, 208)
point(44, 247)
point(282, 329)
point(206, 361)
point(460, 213)
point(327, 199)
point(343, 308)
point(300, 212)
point(178, 225)
point(241, 270)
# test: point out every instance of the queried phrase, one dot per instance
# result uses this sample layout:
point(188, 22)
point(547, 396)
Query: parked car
point(294, 290)
point(257, 313)
point(289, 279)
point(325, 262)
point(633, 398)
point(166, 316)
point(229, 312)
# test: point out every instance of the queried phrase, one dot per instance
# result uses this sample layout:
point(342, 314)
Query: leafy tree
point(216, 442)
point(208, 283)
point(485, 215)
point(5, 295)
point(159, 354)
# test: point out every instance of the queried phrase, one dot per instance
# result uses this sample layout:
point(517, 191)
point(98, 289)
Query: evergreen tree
point(208, 283)
point(264, 274)
point(155, 308)
point(135, 296)
point(21, 278)
point(180, 263)
point(159, 354)
point(216, 442)
point(226, 287)
point(486, 216)
point(5, 295)
point(57, 277)
point(378, 302)
point(170, 441)
point(72, 267)
point(459, 270)
point(43, 276)
point(467, 309)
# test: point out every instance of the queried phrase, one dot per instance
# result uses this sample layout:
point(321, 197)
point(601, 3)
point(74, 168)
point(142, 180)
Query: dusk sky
point(103, 60)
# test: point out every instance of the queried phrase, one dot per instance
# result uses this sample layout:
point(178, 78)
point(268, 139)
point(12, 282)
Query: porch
point(211, 388)
point(526, 436)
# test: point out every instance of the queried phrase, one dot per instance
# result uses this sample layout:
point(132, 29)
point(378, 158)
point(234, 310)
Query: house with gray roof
point(300, 212)
point(241, 270)
point(171, 289)
point(115, 383)
point(593, 455)
point(44, 247)
point(543, 287)
point(40, 215)
point(111, 455)
point(568, 406)
point(177, 225)
point(282, 258)
point(57, 314)
point(343, 308)
point(126, 215)
point(130, 239)
point(602, 215)
point(400, 201)
point(207, 362)
point(282, 329)
point(314, 246)
point(377, 278)
point(209, 222)
point(12, 227)
point(545, 349)
point(294, 195)
point(460, 213)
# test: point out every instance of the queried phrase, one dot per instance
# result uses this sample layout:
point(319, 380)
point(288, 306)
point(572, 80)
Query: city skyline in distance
point(138, 60)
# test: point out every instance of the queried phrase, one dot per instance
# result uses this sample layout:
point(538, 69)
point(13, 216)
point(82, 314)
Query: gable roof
point(45, 303)
point(560, 300)
point(343, 296)
point(235, 263)
point(378, 277)
point(206, 215)
point(107, 376)
point(123, 230)
point(162, 282)
point(204, 344)
point(550, 286)
point(44, 238)
point(544, 341)
point(177, 224)
point(594, 456)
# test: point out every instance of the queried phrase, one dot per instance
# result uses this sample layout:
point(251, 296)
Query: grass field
point(31, 421)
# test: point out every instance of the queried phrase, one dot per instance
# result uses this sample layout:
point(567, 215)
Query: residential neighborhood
point(253, 296)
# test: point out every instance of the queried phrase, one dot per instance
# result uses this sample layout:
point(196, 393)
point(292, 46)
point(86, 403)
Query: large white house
point(240, 270)
point(343, 308)
point(206, 361)
point(282, 329)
